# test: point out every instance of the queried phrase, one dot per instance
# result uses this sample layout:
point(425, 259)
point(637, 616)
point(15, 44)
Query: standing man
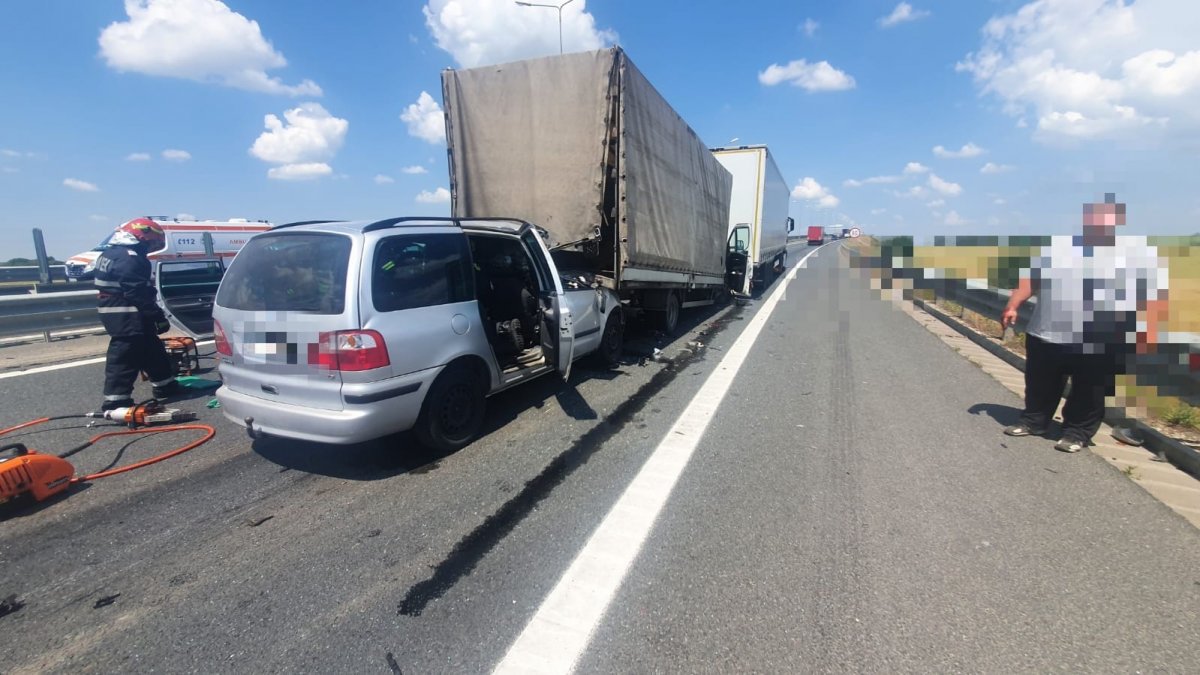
point(1098, 294)
point(131, 317)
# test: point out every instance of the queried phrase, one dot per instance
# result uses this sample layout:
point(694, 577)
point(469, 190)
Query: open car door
point(186, 290)
point(737, 261)
point(558, 331)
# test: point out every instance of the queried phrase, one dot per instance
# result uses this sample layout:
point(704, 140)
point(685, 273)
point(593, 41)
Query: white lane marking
point(70, 364)
point(562, 627)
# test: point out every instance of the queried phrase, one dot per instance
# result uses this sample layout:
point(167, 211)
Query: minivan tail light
point(349, 350)
point(223, 347)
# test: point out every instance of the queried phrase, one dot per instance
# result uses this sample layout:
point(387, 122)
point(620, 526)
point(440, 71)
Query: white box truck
point(758, 206)
point(583, 146)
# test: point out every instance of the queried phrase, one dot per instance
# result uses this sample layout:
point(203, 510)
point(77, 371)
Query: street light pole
point(559, 8)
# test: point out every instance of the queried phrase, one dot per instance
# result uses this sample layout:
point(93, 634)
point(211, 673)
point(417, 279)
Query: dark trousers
point(128, 356)
point(1047, 367)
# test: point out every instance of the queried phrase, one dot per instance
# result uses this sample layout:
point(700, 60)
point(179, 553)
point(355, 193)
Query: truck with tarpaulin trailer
point(584, 146)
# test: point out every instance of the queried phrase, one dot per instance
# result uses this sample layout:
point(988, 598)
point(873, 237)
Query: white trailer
point(759, 202)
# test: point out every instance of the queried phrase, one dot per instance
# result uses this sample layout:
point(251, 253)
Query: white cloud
point(810, 27)
point(303, 142)
point(483, 32)
point(873, 180)
point(916, 191)
point(425, 119)
point(80, 185)
point(98, 218)
point(999, 201)
point(199, 40)
point(992, 167)
point(968, 150)
point(438, 196)
point(173, 155)
point(138, 157)
point(300, 171)
point(953, 218)
point(10, 169)
point(414, 169)
point(1094, 68)
point(902, 13)
point(936, 203)
point(184, 216)
point(9, 153)
point(944, 186)
point(381, 179)
point(808, 189)
point(915, 167)
point(808, 76)
point(876, 212)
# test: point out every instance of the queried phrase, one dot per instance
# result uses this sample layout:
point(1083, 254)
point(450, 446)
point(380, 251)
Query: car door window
point(421, 270)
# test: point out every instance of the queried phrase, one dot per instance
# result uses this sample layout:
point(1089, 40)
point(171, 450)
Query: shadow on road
point(1004, 415)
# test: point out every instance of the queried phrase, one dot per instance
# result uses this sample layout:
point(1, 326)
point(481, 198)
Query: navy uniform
point(130, 314)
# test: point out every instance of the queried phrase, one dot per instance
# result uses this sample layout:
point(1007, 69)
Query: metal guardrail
point(31, 273)
point(1168, 368)
point(47, 312)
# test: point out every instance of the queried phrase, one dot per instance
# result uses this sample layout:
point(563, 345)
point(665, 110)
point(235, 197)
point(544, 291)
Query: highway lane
point(844, 511)
point(241, 555)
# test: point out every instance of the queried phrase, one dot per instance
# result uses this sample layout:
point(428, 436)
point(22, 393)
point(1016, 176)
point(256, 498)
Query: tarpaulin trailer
point(585, 147)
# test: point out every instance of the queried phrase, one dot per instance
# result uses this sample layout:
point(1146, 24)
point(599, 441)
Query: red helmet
point(145, 231)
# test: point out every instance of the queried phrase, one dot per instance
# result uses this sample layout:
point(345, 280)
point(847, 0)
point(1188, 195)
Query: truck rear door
point(738, 265)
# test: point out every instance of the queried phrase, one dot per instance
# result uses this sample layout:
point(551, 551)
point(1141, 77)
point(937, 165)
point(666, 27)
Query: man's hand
point(1009, 317)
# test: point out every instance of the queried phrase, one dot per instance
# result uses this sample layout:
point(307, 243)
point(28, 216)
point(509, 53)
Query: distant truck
point(759, 202)
point(583, 146)
point(816, 235)
point(185, 239)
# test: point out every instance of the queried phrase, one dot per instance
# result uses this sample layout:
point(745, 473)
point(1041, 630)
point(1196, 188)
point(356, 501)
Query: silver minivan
point(340, 332)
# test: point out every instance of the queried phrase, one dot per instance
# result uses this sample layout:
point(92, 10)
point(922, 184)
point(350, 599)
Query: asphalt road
point(852, 507)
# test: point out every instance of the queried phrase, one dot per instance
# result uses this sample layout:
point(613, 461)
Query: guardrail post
point(39, 247)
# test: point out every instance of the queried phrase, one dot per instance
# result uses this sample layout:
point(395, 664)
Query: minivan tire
point(453, 410)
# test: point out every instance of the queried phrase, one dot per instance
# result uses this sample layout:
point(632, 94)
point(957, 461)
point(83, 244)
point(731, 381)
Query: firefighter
point(131, 317)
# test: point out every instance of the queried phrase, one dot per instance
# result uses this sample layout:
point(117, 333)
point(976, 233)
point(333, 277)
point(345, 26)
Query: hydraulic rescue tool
point(24, 471)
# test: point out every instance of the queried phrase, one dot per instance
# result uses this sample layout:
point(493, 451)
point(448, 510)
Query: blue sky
point(160, 107)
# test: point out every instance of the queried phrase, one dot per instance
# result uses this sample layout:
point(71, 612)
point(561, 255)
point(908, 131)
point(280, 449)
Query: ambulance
point(185, 239)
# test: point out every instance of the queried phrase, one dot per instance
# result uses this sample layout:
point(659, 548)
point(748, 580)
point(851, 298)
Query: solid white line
point(70, 364)
point(562, 627)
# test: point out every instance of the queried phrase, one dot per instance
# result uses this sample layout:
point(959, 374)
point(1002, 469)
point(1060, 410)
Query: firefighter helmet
point(143, 231)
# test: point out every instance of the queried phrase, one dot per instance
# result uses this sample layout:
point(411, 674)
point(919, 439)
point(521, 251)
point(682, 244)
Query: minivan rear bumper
point(369, 412)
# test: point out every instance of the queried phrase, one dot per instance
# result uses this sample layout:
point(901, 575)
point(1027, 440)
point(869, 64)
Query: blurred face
point(1101, 220)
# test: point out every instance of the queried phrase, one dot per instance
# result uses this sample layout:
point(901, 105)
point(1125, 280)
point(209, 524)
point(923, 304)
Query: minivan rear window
point(421, 270)
point(288, 272)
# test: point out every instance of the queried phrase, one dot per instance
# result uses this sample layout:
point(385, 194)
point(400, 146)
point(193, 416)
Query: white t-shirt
point(1089, 295)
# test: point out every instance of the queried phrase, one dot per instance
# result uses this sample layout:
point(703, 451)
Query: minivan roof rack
point(306, 222)
point(392, 222)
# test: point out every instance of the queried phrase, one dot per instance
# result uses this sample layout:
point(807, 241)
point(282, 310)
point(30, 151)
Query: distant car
point(340, 332)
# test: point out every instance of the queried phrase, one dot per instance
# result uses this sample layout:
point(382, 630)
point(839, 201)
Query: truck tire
point(667, 320)
point(612, 343)
point(453, 410)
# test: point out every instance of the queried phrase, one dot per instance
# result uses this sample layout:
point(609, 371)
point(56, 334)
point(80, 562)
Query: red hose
point(209, 432)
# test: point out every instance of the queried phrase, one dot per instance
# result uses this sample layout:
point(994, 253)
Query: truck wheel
point(453, 410)
point(612, 343)
point(668, 318)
